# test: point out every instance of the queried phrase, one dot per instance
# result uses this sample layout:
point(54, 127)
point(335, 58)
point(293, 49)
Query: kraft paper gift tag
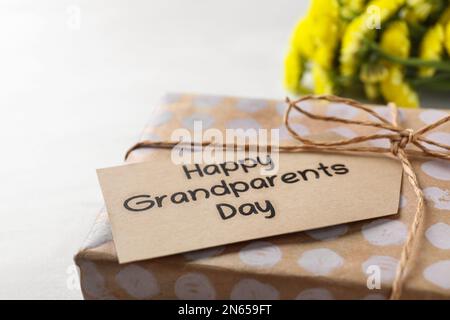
point(158, 208)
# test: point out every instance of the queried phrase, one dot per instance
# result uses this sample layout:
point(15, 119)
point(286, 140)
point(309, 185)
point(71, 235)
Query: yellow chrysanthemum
point(325, 21)
point(373, 72)
point(418, 10)
point(395, 89)
point(447, 38)
point(323, 84)
point(361, 28)
point(315, 39)
point(351, 44)
point(387, 7)
point(395, 39)
point(301, 40)
point(444, 20)
point(431, 48)
point(324, 56)
point(372, 90)
point(351, 8)
point(445, 16)
point(293, 71)
point(324, 8)
point(318, 29)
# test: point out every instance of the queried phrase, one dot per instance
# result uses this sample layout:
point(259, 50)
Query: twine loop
point(400, 138)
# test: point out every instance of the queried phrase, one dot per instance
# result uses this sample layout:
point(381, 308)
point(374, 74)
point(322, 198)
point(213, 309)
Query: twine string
point(400, 138)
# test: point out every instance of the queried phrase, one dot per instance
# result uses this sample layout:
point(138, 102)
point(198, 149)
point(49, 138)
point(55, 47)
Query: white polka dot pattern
point(438, 197)
point(328, 233)
point(381, 143)
point(305, 105)
point(206, 101)
point(430, 116)
point(385, 112)
point(194, 286)
point(344, 132)
point(439, 274)
point(250, 289)
point(439, 235)
point(298, 128)
point(321, 261)
point(243, 124)
point(376, 242)
point(315, 294)
point(385, 232)
point(437, 169)
point(439, 137)
point(387, 266)
point(403, 201)
point(199, 120)
point(251, 105)
point(260, 254)
point(342, 111)
point(94, 282)
point(138, 282)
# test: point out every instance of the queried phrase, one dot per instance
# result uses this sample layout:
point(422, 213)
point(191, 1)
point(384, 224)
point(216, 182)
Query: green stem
point(439, 78)
point(412, 62)
point(438, 86)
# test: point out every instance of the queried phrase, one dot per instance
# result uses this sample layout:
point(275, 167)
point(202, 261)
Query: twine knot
point(404, 138)
point(400, 138)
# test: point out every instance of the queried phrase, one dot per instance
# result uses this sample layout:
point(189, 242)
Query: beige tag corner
point(156, 210)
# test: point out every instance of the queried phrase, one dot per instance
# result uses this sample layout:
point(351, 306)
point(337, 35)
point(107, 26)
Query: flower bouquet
point(384, 48)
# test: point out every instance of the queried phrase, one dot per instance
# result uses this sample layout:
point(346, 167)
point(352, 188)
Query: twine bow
point(399, 138)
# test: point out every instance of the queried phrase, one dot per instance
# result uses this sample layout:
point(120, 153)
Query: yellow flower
point(293, 71)
point(351, 44)
point(431, 48)
point(301, 40)
point(323, 84)
point(373, 72)
point(387, 7)
point(395, 39)
point(324, 27)
point(447, 38)
point(395, 89)
point(361, 28)
point(351, 8)
point(324, 56)
point(315, 38)
point(444, 20)
point(418, 10)
point(318, 29)
point(372, 90)
point(445, 16)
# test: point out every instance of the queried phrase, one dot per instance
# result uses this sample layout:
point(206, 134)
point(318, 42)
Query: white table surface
point(76, 90)
point(74, 96)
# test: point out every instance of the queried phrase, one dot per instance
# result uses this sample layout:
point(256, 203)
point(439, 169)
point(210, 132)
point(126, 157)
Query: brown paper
point(307, 191)
point(325, 263)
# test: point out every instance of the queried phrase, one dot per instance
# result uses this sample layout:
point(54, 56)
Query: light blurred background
point(78, 82)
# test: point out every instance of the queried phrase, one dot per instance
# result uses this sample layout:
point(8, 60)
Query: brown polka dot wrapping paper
point(327, 263)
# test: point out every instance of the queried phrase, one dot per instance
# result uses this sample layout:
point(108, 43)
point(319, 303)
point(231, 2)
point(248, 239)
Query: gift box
point(327, 263)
